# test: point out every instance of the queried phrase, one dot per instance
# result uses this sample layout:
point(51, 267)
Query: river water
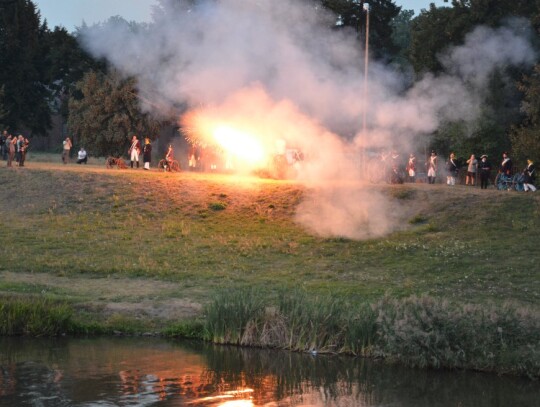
point(158, 372)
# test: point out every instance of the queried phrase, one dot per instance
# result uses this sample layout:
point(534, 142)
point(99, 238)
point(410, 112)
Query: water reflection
point(153, 372)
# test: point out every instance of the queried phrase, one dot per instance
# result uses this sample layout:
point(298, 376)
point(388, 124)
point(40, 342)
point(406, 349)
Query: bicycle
point(111, 162)
point(172, 166)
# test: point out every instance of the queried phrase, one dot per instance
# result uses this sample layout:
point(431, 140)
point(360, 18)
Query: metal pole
point(364, 114)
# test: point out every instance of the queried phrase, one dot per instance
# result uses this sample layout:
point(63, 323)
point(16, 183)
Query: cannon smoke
point(283, 65)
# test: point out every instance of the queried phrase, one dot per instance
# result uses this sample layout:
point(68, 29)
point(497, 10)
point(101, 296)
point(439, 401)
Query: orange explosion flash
point(243, 142)
point(242, 145)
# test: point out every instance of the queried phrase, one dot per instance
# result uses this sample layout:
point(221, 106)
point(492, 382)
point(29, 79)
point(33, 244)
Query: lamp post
point(364, 113)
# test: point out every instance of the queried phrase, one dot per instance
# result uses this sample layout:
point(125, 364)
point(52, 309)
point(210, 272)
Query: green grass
point(97, 237)
point(35, 317)
point(133, 224)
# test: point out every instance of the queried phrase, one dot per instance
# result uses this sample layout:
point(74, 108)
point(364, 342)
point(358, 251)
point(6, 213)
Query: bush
point(35, 317)
point(419, 332)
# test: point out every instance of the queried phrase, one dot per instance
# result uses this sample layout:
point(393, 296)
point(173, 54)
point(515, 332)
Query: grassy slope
point(82, 226)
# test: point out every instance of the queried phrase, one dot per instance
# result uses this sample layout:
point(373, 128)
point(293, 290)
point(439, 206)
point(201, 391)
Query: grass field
point(144, 249)
point(199, 232)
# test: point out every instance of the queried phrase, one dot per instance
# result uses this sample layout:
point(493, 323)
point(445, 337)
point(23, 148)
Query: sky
point(71, 13)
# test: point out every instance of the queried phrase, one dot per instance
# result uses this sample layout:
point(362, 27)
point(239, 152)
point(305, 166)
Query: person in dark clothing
point(529, 176)
point(506, 165)
point(452, 170)
point(147, 153)
point(3, 144)
point(485, 168)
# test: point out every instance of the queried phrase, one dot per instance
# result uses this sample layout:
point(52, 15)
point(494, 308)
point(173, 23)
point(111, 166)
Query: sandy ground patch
point(132, 297)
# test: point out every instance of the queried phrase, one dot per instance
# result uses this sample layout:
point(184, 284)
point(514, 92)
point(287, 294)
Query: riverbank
point(136, 251)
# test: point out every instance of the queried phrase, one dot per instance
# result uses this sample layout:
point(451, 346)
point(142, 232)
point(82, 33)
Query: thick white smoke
point(280, 65)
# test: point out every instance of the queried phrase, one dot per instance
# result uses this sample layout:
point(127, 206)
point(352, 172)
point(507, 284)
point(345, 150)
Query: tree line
point(45, 71)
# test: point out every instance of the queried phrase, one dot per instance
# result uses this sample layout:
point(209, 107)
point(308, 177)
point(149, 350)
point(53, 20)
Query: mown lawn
point(201, 233)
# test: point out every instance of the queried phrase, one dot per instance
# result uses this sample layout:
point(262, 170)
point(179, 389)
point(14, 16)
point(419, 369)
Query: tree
point(3, 112)
point(107, 114)
point(65, 64)
point(433, 31)
point(526, 137)
point(26, 96)
point(439, 28)
point(401, 36)
point(350, 13)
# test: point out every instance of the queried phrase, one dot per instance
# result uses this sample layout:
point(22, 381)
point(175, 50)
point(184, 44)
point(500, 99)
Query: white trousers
point(134, 155)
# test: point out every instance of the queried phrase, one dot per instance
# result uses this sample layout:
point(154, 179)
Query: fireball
point(242, 145)
point(241, 140)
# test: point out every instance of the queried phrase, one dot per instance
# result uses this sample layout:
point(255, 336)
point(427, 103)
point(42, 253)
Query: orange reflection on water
point(234, 398)
point(237, 403)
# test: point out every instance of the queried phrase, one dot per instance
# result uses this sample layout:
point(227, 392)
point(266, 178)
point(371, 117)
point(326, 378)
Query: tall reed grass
point(419, 332)
point(34, 317)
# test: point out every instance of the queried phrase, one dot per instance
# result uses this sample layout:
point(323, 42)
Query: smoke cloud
point(280, 69)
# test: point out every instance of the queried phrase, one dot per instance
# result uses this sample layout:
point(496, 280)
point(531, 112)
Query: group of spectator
point(475, 169)
point(482, 169)
point(82, 155)
point(135, 151)
point(13, 148)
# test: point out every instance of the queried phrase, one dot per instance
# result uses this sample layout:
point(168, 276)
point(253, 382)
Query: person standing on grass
point(147, 153)
point(485, 169)
point(19, 149)
point(135, 150)
point(66, 148)
point(432, 167)
point(3, 144)
point(169, 157)
point(411, 168)
point(471, 170)
point(506, 165)
point(529, 175)
point(452, 169)
point(11, 141)
point(23, 149)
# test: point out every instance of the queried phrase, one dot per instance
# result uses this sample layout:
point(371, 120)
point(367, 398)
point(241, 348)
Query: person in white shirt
point(135, 150)
point(82, 157)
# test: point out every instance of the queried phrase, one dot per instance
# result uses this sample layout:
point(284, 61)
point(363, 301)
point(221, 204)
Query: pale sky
point(71, 13)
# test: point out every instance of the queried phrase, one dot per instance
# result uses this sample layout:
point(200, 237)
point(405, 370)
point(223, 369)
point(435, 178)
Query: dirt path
point(132, 297)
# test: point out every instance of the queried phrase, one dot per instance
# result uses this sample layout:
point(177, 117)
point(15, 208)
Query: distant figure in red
point(169, 156)
point(432, 167)
point(135, 150)
point(192, 159)
point(411, 168)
